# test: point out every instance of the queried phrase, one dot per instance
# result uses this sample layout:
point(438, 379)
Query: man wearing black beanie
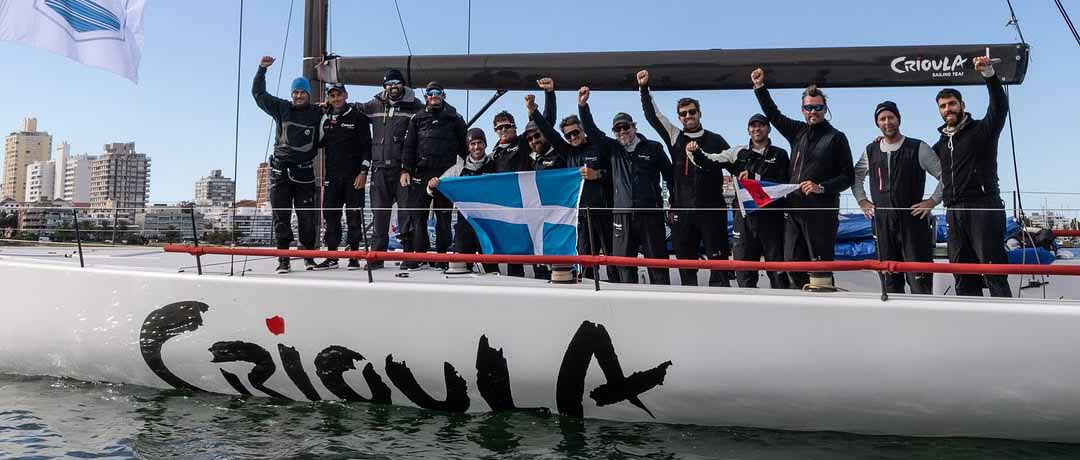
point(897, 167)
point(390, 111)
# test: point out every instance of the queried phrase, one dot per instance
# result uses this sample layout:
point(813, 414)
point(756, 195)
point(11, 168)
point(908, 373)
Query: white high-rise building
point(215, 190)
point(63, 152)
point(76, 181)
point(120, 179)
point(40, 181)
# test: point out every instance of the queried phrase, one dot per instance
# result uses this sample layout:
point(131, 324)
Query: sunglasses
point(534, 137)
point(814, 107)
point(621, 127)
point(434, 92)
point(505, 127)
point(572, 134)
point(391, 83)
point(688, 113)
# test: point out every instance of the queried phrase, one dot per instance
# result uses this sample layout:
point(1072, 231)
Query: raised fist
point(981, 62)
point(758, 77)
point(583, 96)
point(691, 146)
point(530, 103)
point(266, 61)
point(546, 84)
point(643, 78)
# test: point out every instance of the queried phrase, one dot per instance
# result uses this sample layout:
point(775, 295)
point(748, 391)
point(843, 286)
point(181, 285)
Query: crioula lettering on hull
point(492, 374)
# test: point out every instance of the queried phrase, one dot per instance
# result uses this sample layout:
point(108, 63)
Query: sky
point(182, 112)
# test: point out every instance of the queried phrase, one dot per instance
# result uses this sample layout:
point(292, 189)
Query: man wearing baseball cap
point(476, 164)
point(346, 139)
point(760, 233)
point(897, 166)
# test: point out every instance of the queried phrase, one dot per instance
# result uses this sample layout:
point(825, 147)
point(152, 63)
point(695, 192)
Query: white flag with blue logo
point(532, 213)
point(107, 34)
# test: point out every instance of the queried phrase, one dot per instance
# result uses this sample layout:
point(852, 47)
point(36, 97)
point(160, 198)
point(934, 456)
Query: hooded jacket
point(435, 139)
point(635, 173)
point(819, 153)
point(389, 123)
point(297, 128)
point(346, 138)
point(969, 153)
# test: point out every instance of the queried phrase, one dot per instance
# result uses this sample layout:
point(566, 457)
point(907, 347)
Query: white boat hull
point(934, 366)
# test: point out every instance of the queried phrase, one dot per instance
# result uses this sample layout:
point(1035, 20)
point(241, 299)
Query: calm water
point(44, 418)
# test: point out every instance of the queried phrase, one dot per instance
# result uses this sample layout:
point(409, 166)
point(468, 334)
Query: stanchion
point(363, 231)
point(78, 236)
point(592, 248)
point(195, 239)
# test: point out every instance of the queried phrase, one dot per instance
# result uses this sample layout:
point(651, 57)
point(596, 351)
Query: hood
point(964, 124)
point(408, 97)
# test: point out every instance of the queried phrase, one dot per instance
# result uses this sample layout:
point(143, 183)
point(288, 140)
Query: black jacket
point(635, 175)
point(435, 139)
point(694, 187)
point(516, 156)
point(595, 193)
point(969, 156)
point(346, 139)
point(820, 153)
point(297, 128)
point(389, 122)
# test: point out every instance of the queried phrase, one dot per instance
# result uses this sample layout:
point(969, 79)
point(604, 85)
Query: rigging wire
point(402, 22)
point(281, 71)
point(1068, 21)
point(1013, 21)
point(468, 49)
point(236, 132)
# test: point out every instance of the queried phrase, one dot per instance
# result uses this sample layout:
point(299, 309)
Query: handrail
point(837, 266)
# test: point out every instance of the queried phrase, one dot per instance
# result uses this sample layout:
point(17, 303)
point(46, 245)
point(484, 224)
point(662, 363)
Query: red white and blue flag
point(755, 194)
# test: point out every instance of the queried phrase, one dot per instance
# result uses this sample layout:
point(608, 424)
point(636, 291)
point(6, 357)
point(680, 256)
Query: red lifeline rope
point(840, 266)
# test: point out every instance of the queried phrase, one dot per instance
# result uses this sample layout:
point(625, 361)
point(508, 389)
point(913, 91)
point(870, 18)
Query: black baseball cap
point(337, 87)
point(621, 117)
point(758, 118)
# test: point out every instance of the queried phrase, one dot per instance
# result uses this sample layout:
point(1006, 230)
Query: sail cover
point(854, 67)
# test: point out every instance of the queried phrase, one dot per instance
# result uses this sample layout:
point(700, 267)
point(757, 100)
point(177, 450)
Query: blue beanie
point(301, 83)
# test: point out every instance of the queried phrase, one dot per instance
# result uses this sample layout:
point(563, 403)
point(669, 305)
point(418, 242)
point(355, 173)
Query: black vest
point(897, 180)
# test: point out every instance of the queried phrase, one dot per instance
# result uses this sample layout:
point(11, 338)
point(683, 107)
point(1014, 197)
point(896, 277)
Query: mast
point(315, 21)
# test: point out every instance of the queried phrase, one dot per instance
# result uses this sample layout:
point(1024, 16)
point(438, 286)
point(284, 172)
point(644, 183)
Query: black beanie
point(393, 74)
point(887, 105)
point(476, 134)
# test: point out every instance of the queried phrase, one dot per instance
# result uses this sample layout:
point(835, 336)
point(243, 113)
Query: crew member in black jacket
point(579, 152)
point(821, 165)
point(694, 187)
point(512, 152)
point(760, 233)
point(637, 164)
point(389, 111)
point(433, 143)
point(292, 175)
point(476, 164)
point(897, 166)
point(968, 152)
point(346, 141)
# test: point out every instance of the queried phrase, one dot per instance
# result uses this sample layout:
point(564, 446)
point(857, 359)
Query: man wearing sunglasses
point(760, 233)
point(821, 165)
point(694, 187)
point(968, 151)
point(434, 141)
point(389, 111)
point(346, 138)
point(292, 175)
point(579, 152)
point(637, 164)
point(897, 166)
point(512, 152)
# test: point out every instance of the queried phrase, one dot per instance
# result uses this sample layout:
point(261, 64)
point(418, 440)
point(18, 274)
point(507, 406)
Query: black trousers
point(294, 189)
point(415, 224)
point(644, 230)
point(601, 236)
point(978, 236)
point(690, 230)
point(339, 192)
point(759, 234)
point(809, 236)
point(903, 237)
point(466, 242)
point(386, 190)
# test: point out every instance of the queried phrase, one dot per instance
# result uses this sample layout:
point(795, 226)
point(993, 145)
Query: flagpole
point(735, 183)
